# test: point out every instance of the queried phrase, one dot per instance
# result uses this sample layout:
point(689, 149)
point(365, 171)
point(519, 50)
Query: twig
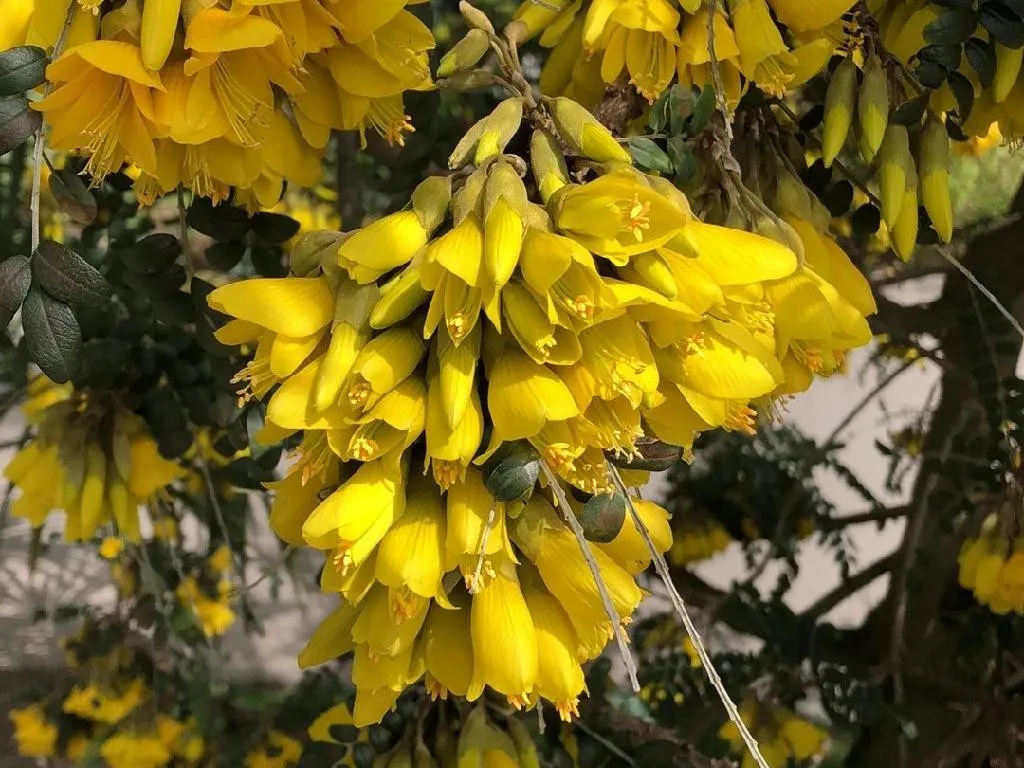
point(595, 571)
point(475, 586)
point(246, 588)
point(982, 289)
point(661, 568)
point(40, 141)
point(716, 70)
point(218, 513)
point(850, 586)
point(873, 516)
point(186, 243)
point(583, 727)
point(880, 387)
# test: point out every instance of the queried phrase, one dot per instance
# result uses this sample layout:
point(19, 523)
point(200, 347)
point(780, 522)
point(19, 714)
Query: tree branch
point(851, 586)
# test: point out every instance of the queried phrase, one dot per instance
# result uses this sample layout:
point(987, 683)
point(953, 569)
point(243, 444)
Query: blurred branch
point(851, 586)
point(872, 516)
point(350, 203)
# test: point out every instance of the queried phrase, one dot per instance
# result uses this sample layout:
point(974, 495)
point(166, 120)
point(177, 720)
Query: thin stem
point(882, 385)
point(280, 561)
point(982, 289)
point(851, 586)
point(476, 586)
point(583, 727)
point(40, 141)
point(186, 243)
point(662, 569)
point(872, 516)
point(595, 571)
point(218, 513)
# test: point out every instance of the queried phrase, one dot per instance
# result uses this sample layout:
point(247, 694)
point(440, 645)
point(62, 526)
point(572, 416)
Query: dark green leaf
point(952, 27)
point(946, 56)
point(1006, 26)
point(680, 106)
point(173, 308)
point(658, 118)
point(931, 73)
point(67, 276)
point(838, 198)
point(602, 517)
point(649, 155)
point(103, 362)
point(17, 122)
point(52, 334)
point(15, 279)
point(75, 199)
point(981, 55)
point(152, 254)
point(703, 109)
point(813, 118)
point(226, 255)
point(964, 93)
point(221, 222)
point(654, 456)
point(274, 228)
point(21, 69)
point(511, 473)
point(911, 112)
point(866, 220)
point(268, 260)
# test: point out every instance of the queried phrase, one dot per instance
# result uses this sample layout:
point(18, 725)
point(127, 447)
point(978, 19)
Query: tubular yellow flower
point(33, 734)
point(385, 244)
point(801, 16)
point(395, 422)
point(629, 549)
point(385, 362)
point(522, 396)
point(469, 506)
point(102, 105)
point(389, 620)
point(411, 554)
point(763, 53)
point(333, 638)
point(615, 216)
point(448, 651)
point(449, 451)
point(504, 639)
point(559, 675)
point(453, 267)
point(356, 517)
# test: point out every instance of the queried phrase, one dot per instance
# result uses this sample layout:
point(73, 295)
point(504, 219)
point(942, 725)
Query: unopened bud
point(399, 298)
point(476, 18)
point(655, 273)
point(547, 163)
point(465, 54)
point(585, 133)
point(489, 136)
point(469, 80)
point(933, 166)
point(894, 162)
point(903, 234)
point(873, 108)
point(430, 201)
point(839, 103)
point(313, 250)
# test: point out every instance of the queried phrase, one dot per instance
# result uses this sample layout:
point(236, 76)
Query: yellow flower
point(340, 715)
point(111, 547)
point(801, 16)
point(448, 653)
point(33, 734)
point(616, 216)
point(132, 750)
point(628, 548)
point(638, 35)
point(214, 614)
point(287, 317)
point(278, 751)
point(694, 59)
point(411, 554)
point(522, 396)
point(93, 703)
point(559, 675)
point(763, 53)
point(102, 105)
point(504, 639)
point(333, 638)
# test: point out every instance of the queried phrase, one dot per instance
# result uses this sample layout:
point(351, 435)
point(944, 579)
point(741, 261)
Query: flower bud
point(314, 249)
point(547, 163)
point(475, 18)
point(159, 23)
point(489, 136)
point(465, 54)
point(839, 104)
point(1008, 65)
point(904, 231)
point(399, 298)
point(585, 133)
point(430, 201)
point(933, 166)
point(873, 108)
point(894, 160)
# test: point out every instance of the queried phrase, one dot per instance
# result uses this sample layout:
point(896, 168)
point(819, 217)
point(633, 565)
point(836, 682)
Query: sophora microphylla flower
point(511, 321)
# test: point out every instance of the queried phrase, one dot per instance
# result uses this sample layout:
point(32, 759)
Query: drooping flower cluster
point(782, 734)
point(992, 567)
point(654, 42)
point(90, 457)
point(214, 95)
point(466, 371)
